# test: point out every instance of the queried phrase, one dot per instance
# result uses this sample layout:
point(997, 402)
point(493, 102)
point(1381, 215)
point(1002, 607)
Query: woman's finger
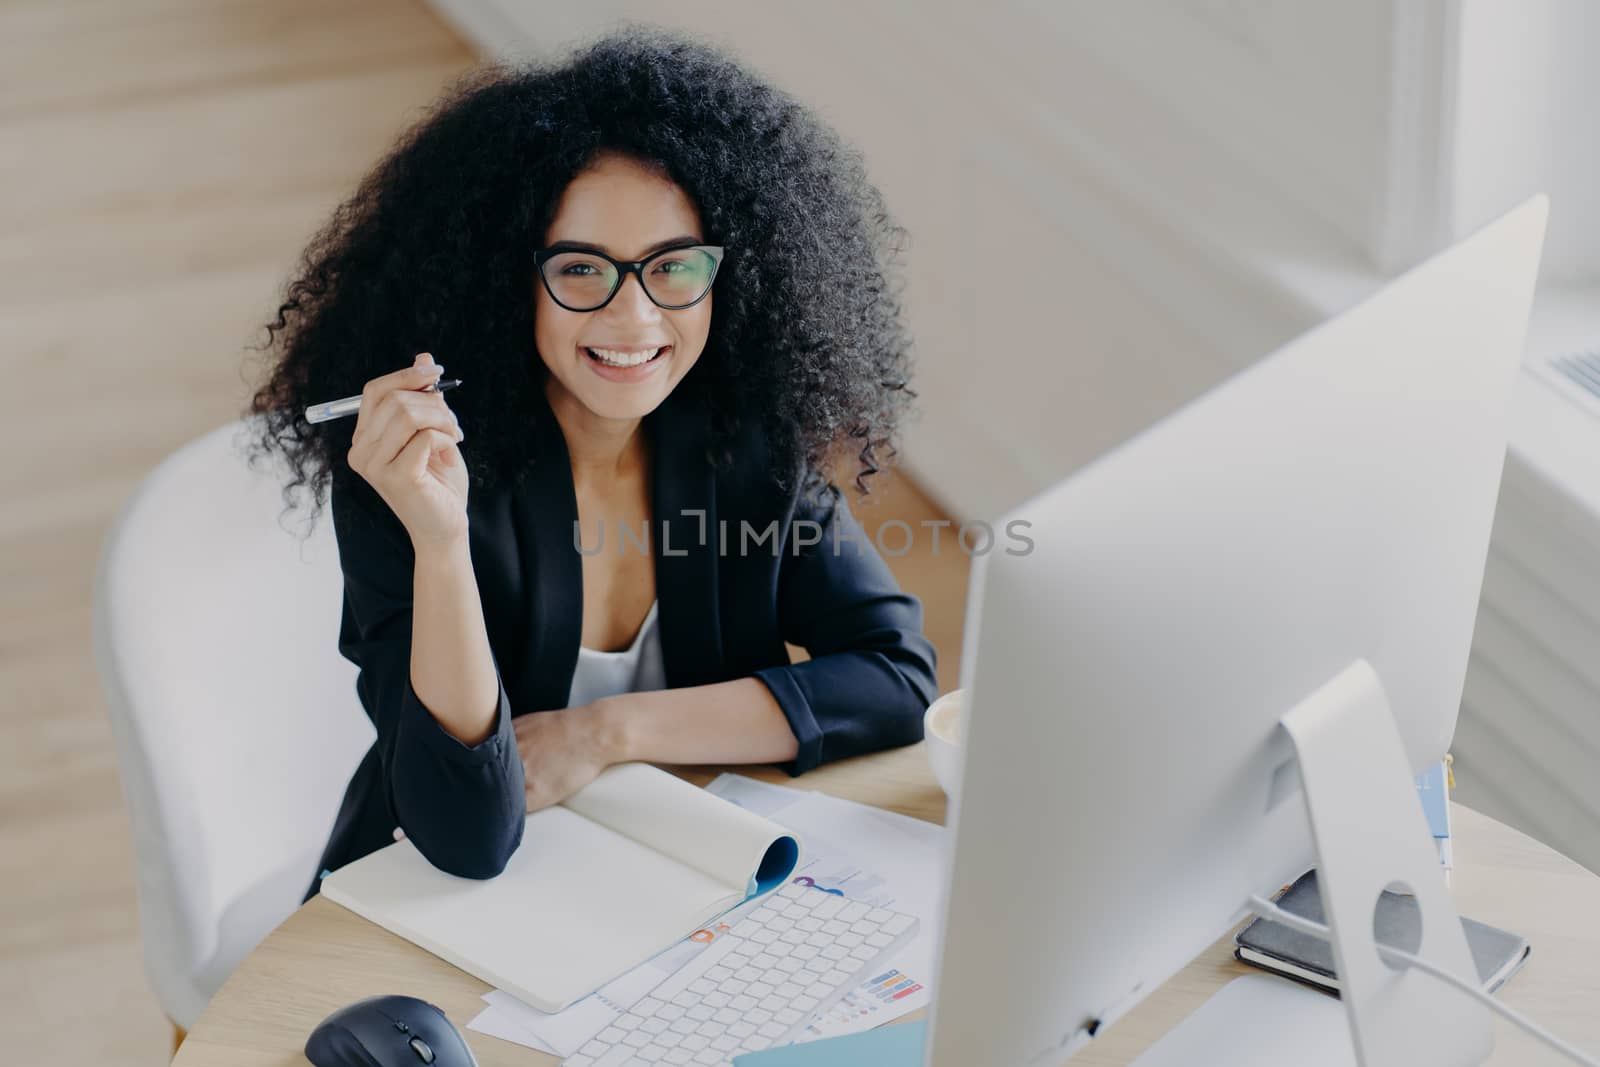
point(406, 416)
point(412, 461)
point(373, 413)
point(416, 408)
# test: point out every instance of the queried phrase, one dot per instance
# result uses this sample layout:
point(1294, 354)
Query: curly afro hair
point(434, 252)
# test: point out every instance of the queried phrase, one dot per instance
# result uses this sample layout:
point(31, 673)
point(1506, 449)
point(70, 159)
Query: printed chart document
point(626, 867)
point(904, 873)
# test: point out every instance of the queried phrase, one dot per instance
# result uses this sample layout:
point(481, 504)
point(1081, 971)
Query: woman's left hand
point(562, 751)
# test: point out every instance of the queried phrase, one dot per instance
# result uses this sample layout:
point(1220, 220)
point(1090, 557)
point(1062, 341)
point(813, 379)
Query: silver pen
point(337, 409)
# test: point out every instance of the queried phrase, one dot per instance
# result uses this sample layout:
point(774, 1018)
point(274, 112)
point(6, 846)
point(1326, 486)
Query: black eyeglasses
point(674, 278)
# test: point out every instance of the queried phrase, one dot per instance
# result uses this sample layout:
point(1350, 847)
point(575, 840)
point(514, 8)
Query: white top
point(637, 668)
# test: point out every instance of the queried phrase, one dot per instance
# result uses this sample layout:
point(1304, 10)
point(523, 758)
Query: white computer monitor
point(1127, 782)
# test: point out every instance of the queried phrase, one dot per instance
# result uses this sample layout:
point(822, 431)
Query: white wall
point(1529, 79)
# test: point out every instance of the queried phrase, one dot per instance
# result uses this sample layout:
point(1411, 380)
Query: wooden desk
point(323, 957)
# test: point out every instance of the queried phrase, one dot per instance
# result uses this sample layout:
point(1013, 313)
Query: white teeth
point(611, 357)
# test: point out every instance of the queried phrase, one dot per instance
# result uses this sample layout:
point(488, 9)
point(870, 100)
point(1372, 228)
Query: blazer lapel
point(545, 510)
point(684, 540)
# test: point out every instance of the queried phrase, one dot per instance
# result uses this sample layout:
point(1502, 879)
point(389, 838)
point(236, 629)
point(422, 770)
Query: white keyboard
point(755, 986)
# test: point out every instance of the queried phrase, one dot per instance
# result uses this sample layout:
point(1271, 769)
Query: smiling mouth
point(611, 357)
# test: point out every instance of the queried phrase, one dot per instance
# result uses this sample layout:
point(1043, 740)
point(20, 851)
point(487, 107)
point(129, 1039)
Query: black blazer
point(722, 615)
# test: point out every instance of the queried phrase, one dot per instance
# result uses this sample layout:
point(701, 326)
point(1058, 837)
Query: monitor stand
point(1369, 833)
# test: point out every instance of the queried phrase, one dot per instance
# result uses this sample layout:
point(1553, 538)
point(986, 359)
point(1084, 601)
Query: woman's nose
point(632, 301)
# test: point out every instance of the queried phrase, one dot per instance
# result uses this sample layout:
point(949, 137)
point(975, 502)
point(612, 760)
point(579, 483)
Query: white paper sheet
point(903, 873)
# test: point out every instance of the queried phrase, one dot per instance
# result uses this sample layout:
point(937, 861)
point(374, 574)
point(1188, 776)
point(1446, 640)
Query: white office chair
point(237, 721)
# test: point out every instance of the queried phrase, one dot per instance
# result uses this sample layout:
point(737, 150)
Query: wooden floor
point(161, 164)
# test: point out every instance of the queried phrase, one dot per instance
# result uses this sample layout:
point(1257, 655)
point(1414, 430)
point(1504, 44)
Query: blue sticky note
point(887, 1046)
point(1433, 790)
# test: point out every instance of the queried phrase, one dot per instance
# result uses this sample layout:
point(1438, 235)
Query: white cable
point(1270, 910)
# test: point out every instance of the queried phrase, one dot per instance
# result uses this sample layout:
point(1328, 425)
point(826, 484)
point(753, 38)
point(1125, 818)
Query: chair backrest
point(236, 719)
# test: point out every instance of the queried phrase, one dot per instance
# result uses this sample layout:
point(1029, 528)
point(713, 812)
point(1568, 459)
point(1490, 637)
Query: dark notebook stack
point(1274, 947)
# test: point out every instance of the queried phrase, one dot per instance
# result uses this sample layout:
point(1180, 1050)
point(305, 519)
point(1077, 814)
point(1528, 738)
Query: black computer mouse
point(390, 1031)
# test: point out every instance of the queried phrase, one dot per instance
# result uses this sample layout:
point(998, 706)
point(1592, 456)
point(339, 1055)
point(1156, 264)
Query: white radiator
point(1527, 744)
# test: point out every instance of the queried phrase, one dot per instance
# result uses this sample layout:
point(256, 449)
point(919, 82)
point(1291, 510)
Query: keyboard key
point(828, 908)
point(853, 911)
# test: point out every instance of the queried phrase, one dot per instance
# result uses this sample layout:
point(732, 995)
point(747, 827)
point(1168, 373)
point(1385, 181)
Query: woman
point(664, 286)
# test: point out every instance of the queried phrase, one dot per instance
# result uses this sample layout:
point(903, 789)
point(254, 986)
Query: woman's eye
point(677, 264)
point(575, 267)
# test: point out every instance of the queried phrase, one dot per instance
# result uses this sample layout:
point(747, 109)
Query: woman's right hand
point(405, 447)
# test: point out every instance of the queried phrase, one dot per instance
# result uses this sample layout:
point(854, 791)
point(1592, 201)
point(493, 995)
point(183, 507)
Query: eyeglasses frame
point(543, 255)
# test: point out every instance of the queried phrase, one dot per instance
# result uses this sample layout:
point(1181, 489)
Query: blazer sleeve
point(871, 674)
point(462, 806)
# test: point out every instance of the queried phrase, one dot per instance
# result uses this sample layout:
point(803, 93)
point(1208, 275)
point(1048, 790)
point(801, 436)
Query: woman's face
point(628, 212)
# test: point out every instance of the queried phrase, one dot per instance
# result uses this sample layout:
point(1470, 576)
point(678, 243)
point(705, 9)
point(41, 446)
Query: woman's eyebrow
point(585, 246)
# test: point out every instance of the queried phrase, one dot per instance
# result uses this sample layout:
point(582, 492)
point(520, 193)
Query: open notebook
point(630, 865)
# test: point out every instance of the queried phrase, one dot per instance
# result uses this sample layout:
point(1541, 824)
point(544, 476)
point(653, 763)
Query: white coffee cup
point(943, 725)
